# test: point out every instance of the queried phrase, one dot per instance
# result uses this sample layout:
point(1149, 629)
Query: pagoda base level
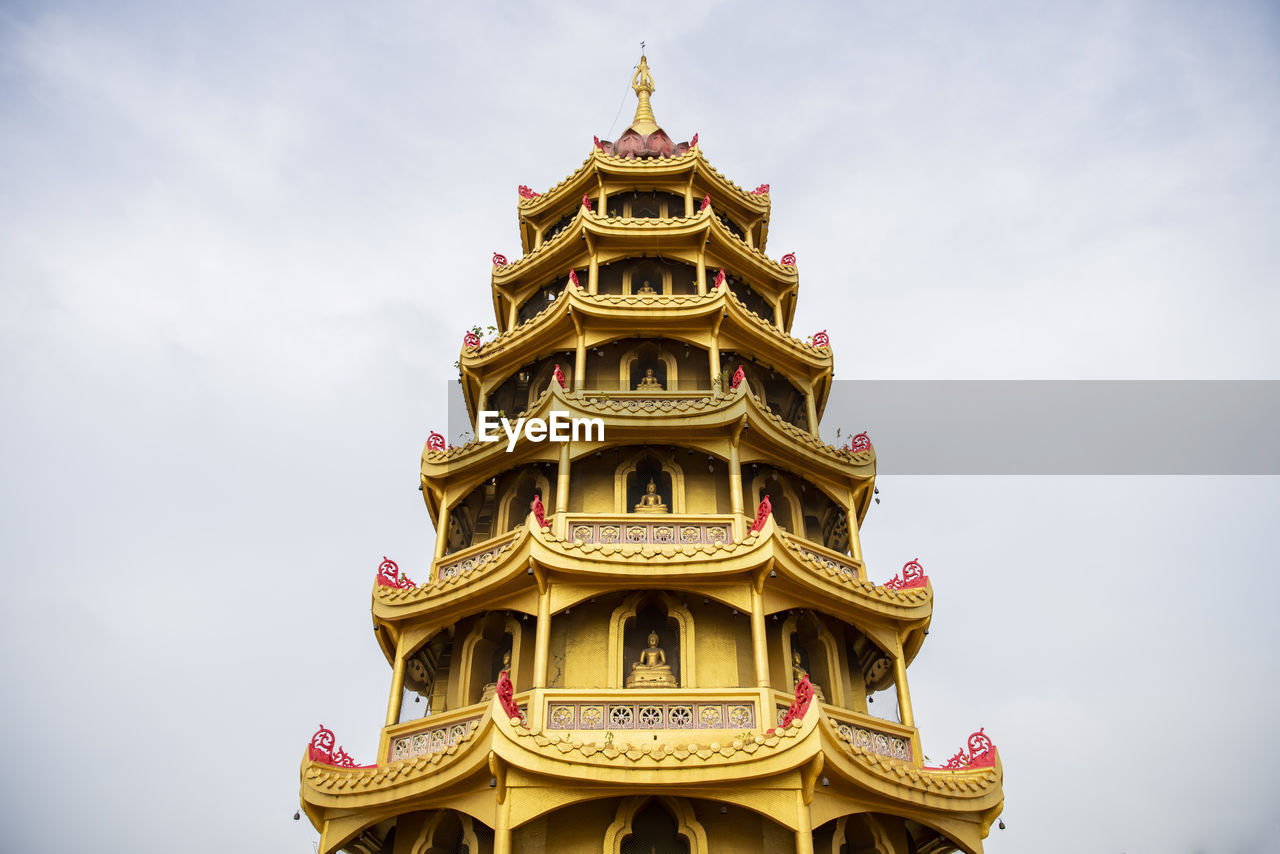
point(650, 825)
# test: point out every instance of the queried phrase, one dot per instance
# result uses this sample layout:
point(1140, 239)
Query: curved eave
point(612, 316)
point(506, 581)
point(620, 237)
point(767, 437)
point(601, 168)
point(960, 804)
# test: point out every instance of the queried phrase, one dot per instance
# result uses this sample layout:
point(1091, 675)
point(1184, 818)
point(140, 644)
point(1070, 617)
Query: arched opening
point(654, 831)
point(647, 276)
point(651, 649)
point(426, 677)
point(649, 487)
point(499, 505)
point(650, 204)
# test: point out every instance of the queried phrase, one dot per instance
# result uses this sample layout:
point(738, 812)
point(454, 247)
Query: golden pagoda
point(655, 633)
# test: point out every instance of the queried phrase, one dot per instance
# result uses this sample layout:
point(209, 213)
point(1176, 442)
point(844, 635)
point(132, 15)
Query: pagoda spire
point(642, 82)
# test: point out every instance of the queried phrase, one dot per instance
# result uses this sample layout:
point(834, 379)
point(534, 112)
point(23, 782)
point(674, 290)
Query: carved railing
point(640, 529)
point(625, 710)
point(437, 732)
point(833, 560)
point(874, 735)
point(471, 558)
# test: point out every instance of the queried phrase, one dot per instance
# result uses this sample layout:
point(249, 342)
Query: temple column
point(804, 826)
point(397, 684)
point(702, 269)
point(735, 474)
point(562, 489)
point(900, 680)
point(759, 644)
point(811, 407)
point(502, 832)
point(777, 313)
point(580, 362)
point(593, 271)
point(442, 527)
point(542, 638)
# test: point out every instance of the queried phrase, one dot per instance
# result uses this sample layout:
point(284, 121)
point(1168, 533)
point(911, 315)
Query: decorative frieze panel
point(432, 740)
point(650, 533)
point(471, 562)
point(650, 715)
point(831, 563)
point(874, 741)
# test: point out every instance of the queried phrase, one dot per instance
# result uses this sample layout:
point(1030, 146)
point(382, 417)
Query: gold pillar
point(735, 474)
point(900, 679)
point(537, 238)
point(777, 313)
point(562, 481)
point(804, 826)
point(688, 198)
point(580, 363)
point(542, 638)
point(442, 527)
point(759, 644)
point(397, 684)
point(702, 269)
point(593, 274)
point(855, 536)
point(502, 833)
point(812, 407)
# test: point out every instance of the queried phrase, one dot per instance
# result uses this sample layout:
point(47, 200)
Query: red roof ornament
point(586, 202)
point(693, 143)
point(789, 260)
point(800, 705)
point(706, 202)
point(389, 575)
point(720, 278)
point(762, 190)
point(505, 693)
point(982, 754)
point(573, 278)
point(435, 442)
point(599, 144)
point(526, 193)
point(539, 510)
point(738, 376)
point(470, 340)
point(762, 514)
point(912, 576)
point(558, 376)
point(499, 260)
point(821, 339)
point(860, 443)
point(321, 749)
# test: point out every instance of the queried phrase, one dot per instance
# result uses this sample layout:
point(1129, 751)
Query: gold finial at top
point(642, 82)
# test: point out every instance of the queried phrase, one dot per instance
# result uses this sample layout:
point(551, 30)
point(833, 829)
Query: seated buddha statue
point(651, 671)
point(651, 501)
point(486, 693)
point(649, 381)
point(798, 672)
point(646, 288)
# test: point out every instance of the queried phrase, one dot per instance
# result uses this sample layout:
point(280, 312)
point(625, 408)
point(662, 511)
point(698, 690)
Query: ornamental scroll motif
point(558, 375)
point(693, 143)
point(505, 692)
point(470, 340)
point(573, 278)
point(762, 190)
point(789, 260)
point(860, 443)
point(800, 705)
point(912, 576)
point(526, 193)
point(586, 202)
point(720, 277)
point(706, 202)
point(322, 750)
point(982, 754)
point(435, 442)
point(389, 575)
point(599, 144)
point(499, 260)
point(539, 511)
point(762, 514)
point(821, 339)
point(738, 376)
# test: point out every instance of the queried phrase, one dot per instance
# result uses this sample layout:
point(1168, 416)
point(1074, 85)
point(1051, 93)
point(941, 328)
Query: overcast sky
point(240, 244)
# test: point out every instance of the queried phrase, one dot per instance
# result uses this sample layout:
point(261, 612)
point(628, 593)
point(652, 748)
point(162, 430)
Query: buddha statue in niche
point(487, 692)
point(651, 501)
point(649, 381)
point(798, 672)
point(646, 288)
point(652, 670)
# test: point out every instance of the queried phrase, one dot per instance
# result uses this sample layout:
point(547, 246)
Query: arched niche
point(446, 831)
point(482, 651)
point(805, 633)
point(635, 820)
point(630, 625)
point(668, 477)
point(783, 497)
point(513, 509)
point(647, 355)
point(427, 673)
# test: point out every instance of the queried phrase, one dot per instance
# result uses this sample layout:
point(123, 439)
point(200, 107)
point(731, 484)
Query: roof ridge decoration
point(644, 138)
point(912, 576)
point(322, 750)
point(982, 754)
point(389, 575)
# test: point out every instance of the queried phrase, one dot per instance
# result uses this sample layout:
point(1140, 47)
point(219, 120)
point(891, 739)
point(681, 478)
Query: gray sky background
point(239, 246)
